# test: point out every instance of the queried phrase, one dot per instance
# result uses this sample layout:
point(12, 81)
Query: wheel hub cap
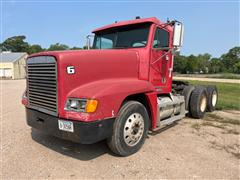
point(214, 98)
point(203, 104)
point(133, 129)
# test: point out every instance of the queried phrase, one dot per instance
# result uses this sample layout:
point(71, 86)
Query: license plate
point(65, 125)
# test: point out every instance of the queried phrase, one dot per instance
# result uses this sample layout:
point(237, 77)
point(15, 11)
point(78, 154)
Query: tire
point(198, 102)
point(132, 121)
point(212, 98)
point(187, 91)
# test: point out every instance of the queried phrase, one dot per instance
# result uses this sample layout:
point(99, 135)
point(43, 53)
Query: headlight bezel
point(81, 105)
point(79, 101)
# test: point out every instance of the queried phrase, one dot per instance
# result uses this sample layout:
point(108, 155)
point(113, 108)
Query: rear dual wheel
point(212, 98)
point(203, 98)
point(130, 129)
point(198, 102)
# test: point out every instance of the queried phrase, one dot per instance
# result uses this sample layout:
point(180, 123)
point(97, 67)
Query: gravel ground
point(189, 149)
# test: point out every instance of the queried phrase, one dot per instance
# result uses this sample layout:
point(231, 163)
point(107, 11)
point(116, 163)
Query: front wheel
point(130, 129)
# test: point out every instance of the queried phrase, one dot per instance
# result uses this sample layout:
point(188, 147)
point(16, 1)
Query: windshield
point(133, 36)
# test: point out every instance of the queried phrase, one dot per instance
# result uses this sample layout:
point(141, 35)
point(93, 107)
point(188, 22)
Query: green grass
point(228, 94)
point(228, 76)
point(218, 76)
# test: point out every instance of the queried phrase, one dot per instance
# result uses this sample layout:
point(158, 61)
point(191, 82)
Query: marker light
point(91, 105)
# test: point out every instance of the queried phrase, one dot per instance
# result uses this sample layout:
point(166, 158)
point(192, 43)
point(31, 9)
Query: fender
point(110, 94)
point(152, 101)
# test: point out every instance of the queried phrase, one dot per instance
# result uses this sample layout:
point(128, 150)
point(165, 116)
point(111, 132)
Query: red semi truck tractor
point(119, 90)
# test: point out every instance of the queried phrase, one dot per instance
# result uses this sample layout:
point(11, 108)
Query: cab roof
point(124, 23)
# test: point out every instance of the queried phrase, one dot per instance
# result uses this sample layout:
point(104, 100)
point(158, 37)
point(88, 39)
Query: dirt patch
point(221, 129)
point(203, 149)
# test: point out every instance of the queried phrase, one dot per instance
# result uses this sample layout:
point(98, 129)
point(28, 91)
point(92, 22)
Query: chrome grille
point(42, 84)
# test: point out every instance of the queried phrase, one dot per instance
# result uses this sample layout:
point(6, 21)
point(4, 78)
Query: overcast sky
point(210, 27)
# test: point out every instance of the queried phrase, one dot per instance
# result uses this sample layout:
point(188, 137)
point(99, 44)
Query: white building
point(12, 65)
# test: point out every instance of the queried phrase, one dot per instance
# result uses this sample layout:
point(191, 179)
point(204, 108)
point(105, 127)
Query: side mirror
point(178, 30)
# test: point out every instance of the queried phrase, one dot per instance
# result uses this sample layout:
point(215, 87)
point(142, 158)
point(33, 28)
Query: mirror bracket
point(88, 44)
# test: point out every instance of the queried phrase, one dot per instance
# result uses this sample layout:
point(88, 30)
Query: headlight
point(81, 105)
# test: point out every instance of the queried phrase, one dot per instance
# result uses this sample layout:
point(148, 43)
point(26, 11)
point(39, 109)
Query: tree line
point(18, 44)
point(205, 63)
point(202, 63)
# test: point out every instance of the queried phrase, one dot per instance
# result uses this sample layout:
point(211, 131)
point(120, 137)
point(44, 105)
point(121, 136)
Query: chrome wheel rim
point(214, 98)
point(133, 129)
point(203, 104)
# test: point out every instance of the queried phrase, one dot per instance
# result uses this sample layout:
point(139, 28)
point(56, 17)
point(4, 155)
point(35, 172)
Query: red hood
point(93, 65)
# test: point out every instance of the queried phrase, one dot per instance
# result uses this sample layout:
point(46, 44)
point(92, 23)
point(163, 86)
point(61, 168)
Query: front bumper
point(84, 132)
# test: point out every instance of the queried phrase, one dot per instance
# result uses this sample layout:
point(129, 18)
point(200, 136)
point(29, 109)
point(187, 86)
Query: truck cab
point(120, 89)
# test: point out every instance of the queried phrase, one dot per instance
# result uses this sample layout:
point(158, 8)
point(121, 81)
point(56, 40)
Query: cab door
point(161, 58)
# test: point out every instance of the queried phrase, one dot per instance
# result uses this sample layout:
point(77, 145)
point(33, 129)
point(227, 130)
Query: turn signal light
point(91, 105)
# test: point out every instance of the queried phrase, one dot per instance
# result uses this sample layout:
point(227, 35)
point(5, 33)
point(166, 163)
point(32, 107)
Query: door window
point(161, 39)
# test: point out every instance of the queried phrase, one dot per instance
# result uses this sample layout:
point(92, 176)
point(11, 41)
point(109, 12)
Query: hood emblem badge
point(70, 69)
